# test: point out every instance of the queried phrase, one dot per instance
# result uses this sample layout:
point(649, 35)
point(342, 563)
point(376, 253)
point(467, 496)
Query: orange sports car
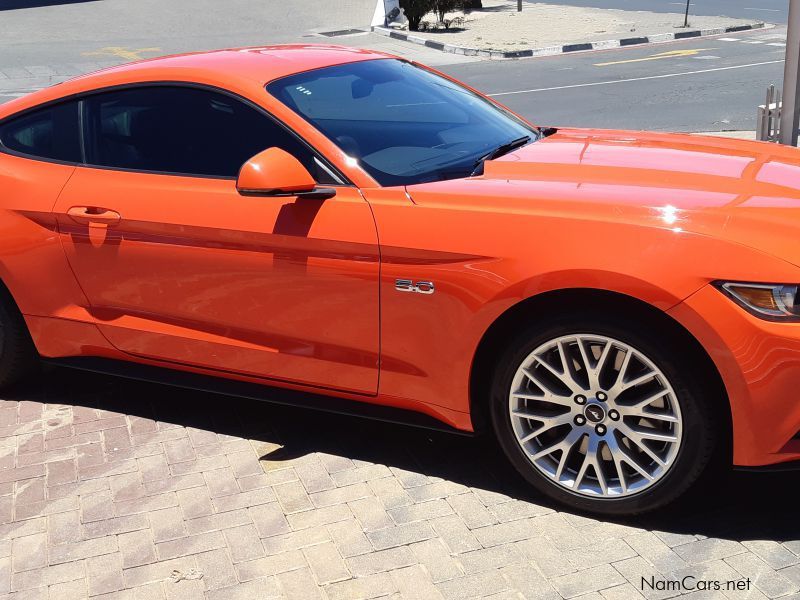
point(621, 309)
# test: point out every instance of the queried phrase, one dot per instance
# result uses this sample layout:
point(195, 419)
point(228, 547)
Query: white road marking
point(632, 79)
point(705, 57)
point(779, 44)
point(767, 9)
point(729, 39)
point(753, 42)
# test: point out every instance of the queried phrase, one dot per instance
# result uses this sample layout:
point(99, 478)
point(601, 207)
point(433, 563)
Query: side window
point(184, 130)
point(51, 132)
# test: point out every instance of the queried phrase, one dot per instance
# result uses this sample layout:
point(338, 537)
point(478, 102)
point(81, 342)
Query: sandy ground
point(500, 27)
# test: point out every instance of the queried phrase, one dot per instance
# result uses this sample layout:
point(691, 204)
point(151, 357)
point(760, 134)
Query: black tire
point(665, 350)
point(18, 357)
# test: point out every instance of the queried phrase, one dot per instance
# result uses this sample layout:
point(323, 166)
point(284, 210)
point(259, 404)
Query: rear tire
point(616, 453)
point(18, 357)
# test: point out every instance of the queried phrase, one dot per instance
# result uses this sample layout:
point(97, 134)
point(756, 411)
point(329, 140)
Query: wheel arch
point(565, 300)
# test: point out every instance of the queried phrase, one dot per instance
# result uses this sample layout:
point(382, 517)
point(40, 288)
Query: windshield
point(403, 124)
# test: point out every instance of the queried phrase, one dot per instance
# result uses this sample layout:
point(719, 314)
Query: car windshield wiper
point(499, 151)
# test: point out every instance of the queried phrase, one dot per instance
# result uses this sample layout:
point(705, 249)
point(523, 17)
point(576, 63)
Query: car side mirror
point(275, 172)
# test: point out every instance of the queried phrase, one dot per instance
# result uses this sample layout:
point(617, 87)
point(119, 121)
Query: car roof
point(238, 69)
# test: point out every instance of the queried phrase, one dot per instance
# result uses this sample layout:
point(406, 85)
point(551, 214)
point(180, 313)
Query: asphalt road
point(710, 84)
point(771, 11)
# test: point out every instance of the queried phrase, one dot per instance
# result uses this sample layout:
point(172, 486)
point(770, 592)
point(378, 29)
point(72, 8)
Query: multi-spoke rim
point(595, 415)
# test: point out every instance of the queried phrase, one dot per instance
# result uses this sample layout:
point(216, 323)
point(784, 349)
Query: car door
point(179, 267)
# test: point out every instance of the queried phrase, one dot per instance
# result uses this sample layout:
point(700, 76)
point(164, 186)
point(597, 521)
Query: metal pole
point(790, 113)
point(686, 18)
point(519, 5)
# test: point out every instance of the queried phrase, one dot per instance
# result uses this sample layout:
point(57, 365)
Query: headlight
point(771, 302)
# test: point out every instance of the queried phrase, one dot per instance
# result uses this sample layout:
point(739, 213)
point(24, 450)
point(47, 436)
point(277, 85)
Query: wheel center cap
point(595, 413)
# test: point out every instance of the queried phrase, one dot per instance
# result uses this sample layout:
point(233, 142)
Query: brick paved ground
point(113, 489)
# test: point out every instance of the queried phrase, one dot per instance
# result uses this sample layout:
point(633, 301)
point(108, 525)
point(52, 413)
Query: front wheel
point(600, 417)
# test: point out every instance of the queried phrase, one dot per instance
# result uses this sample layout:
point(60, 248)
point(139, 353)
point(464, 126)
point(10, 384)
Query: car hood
point(742, 191)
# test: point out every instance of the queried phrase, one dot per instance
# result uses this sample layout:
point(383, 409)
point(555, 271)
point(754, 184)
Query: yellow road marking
point(122, 52)
point(661, 56)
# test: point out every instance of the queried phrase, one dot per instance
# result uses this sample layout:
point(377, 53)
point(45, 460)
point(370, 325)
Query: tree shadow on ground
point(736, 505)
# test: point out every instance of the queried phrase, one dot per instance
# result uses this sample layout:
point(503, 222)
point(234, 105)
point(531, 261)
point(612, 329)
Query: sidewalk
point(549, 28)
point(119, 490)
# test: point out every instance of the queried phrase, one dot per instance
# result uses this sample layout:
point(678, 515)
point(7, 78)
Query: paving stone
point(650, 547)
point(455, 534)
point(217, 569)
point(708, 549)
point(349, 538)
point(422, 511)
point(592, 555)
point(437, 560)
point(371, 586)
point(390, 492)
point(104, 574)
point(194, 502)
point(340, 495)
point(263, 588)
point(295, 540)
point(69, 590)
point(192, 544)
point(773, 553)
point(472, 511)
point(243, 543)
point(529, 582)
point(244, 499)
point(270, 520)
point(157, 571)
point(137, 548)
point(371, 514)
point(490, 558)
point(638, 571)
point(270, 565)
point(29, 552)
point(622, 592)
point(326, 563)
point(218, 521)
point(37, 578)
point(765, 578)
point(400, 535)
point(69, 553)
point(292, 497)
point(167, 524)
point(589, 580)
point(299, 584)
point(505, 533)
point(383, 560)
point(474, 586)
point(244, 463)
point(318, 517)
point(414, 583)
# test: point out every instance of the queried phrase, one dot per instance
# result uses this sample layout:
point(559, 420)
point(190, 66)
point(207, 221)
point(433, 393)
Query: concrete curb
point(552, 50)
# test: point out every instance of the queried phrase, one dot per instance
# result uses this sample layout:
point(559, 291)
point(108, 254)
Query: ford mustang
point(349, 228)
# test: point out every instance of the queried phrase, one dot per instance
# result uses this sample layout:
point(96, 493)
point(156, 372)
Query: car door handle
point(94, 216)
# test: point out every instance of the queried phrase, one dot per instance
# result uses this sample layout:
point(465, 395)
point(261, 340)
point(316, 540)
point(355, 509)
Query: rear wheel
point(602, 417)
point(17, 354)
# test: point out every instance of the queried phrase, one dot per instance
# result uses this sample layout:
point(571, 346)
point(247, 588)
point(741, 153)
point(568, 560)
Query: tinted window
point(184, 130)
point(47, 133)
point(404, 124)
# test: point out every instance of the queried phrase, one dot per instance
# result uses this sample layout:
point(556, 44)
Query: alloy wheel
point(595, 415)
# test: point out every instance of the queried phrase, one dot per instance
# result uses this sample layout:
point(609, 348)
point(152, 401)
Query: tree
point(442, 7)
point(415, 10)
